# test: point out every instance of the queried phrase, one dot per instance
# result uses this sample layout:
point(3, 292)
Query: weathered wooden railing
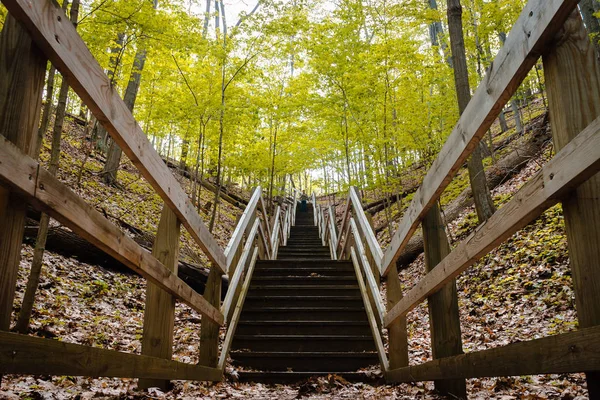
point(20, 174)
point(573, 82)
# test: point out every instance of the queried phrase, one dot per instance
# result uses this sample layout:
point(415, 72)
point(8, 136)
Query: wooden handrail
point(574, 164)
point(365, 228)
point(56, 36)
point(383, 360)
point(240, 229)
point(372, 284)
point(538, 23)
point(237, 312)
point(241, 266)
point(48, 194)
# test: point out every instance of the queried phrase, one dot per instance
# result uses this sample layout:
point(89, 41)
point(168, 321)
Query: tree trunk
point(483, 199)
point(111, 167)
point(40, 245)
point(115, 60)
point(588, 8)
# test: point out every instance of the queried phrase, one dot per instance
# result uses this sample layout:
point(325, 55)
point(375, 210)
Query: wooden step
point(305, 361)
point(315, 271)
point(291, 377)
point(304, 343)
point(304, 290)
point(255, 300)
point(285, 327)
point(303, 280)
point(304, 313)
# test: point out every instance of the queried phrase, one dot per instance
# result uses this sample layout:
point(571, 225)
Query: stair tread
point(299, 287)
point(305, 353)
point(330, 337)
point(301, 322)
point(306, 297)
point(271, 308)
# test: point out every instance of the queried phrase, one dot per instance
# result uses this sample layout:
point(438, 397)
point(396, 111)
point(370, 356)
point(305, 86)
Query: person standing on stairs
point(303, 202)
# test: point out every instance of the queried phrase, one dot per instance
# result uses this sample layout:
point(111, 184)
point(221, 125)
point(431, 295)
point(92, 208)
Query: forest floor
point(520, 291)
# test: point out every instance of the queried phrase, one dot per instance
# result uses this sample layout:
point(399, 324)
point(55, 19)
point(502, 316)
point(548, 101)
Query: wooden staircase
point(303, 315)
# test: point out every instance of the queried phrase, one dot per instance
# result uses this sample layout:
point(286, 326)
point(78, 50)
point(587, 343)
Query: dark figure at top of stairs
point(303, 314)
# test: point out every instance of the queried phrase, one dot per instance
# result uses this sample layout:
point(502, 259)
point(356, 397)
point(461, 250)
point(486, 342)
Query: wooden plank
point(444, 317)
point(365, 228)
point(21, 354)
point(397, 332)
point(570, 352)
point(57, 37)
point(572, 74)
point(535, 27)
point(22, 72)
point(159, 312)
point(263, 238)
point(373, 287)
point(241, 227)
point(275, 227)
point(573, 165)
point(237, 312)
point(343, 228)
point(226, 308)
point(209, 331)
point(370, 315)
point(263, 208)
point(49, 195)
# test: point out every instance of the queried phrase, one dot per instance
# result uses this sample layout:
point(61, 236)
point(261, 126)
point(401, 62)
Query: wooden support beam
point(566, 353)
point(21, 354)
point(209, 331)
point(397, 333)
point(237, 312)
point(47, 194)
point(159, 313)
point(444, 318)
point(535, 27)
point(21, 83)
point(573, 83)
point(56, 36)
point(573, 165)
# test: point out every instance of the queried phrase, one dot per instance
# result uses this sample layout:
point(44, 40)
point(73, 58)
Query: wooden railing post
point(21, 82)
point(209, 331)
point(397, 334)
point(573, 83)
point(159, 313)
point(444, 318)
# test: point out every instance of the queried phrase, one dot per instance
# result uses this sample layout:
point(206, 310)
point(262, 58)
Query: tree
point(481, 193)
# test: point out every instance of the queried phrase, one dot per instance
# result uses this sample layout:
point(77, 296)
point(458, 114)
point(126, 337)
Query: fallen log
point(503, 170)
point(226, 195)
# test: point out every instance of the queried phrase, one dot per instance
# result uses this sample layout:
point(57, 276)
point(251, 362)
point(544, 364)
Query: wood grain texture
point(570, 352)
point(21, 354)
point(47, 194)
point(444, 317)
point(209, 331)
point(159, 312)
point(22, 69)
point(397, 333)
point(535, 27)
point(573, 165)
point(572, 75)
point(56, 36)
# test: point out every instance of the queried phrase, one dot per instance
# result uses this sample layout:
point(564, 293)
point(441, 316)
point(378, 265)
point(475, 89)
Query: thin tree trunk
point(40, 245)
point(113, 160)
point(481, 193)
